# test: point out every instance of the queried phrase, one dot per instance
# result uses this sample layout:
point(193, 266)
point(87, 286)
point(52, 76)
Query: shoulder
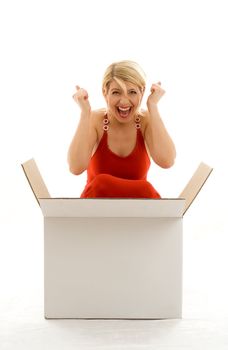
point(98, 114)
point(97, 120)
point(144, 114)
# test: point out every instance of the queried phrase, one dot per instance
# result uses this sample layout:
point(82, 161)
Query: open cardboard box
point(113, 258)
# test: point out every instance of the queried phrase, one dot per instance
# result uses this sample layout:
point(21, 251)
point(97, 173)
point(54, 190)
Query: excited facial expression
point(123, 101)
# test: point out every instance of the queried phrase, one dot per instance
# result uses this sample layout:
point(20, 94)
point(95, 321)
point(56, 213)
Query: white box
point(113, 258)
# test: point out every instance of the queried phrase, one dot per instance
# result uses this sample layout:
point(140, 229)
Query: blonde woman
point(115, 144)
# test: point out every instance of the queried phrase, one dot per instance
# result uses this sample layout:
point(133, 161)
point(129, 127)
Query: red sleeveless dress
point(113, 176)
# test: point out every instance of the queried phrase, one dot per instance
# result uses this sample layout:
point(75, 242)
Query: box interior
point(177, 208)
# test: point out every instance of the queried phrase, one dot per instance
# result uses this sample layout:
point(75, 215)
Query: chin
point(124, 118)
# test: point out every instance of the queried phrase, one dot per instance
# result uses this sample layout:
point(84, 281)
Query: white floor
point(205, 307)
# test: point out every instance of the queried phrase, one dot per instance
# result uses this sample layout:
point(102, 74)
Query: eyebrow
point(117, 89)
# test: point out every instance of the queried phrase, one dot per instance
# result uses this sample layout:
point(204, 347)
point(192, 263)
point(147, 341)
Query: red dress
point(113, 176)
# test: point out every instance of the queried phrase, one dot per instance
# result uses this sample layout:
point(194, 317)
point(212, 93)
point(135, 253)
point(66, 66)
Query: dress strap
point(137, 122)
point(106, 122)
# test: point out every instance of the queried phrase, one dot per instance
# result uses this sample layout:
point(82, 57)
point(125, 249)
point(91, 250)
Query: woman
point(115, 144)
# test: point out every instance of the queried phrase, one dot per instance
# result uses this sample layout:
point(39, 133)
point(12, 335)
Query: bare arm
point(159, 142)
point(85, 137)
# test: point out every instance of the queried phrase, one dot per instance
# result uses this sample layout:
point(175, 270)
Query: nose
point(124, 99)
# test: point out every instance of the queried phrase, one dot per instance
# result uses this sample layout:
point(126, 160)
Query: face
point(123, 104)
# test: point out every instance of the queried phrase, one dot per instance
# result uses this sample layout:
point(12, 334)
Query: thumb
point(159, 83)
point(77, 87)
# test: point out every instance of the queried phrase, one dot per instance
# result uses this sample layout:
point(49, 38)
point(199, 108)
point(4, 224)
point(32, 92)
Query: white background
point(47, 47)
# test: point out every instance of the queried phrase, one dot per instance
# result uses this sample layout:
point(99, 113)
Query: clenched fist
point(156, 93)
point(81, 98)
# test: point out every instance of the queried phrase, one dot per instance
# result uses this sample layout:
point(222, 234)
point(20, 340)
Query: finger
point(158, 84)
point(154, 87)
point(86, 96)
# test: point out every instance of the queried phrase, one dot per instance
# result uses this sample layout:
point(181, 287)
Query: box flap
point(35, 180)
point(113, 207)
point(195, 184)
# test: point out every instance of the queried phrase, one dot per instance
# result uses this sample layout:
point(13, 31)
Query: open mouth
point(124, 111)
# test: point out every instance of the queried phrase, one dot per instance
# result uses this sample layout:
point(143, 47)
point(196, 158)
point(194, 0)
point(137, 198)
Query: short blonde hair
point(128, 71)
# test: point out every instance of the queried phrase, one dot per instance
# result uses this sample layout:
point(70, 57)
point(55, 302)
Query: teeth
point(124, 109)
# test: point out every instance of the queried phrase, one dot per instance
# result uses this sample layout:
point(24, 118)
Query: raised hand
point(156, 93)
point(81, 98)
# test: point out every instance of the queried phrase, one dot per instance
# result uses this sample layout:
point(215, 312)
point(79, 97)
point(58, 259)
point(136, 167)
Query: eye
point(115, 92)
point(133, 92)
